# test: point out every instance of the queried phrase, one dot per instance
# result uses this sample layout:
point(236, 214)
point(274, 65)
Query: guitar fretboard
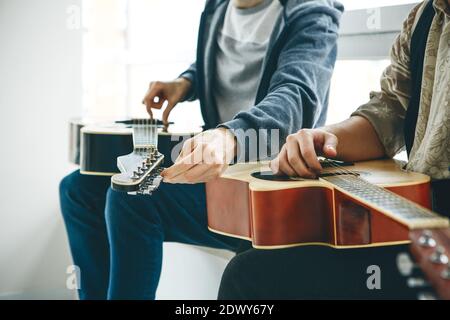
point(400, 209)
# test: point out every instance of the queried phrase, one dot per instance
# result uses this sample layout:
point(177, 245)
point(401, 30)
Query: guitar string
point(344, 171)
point(341, 168)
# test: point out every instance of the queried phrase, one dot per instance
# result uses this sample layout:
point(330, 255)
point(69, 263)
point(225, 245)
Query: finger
point(195, 174)
point(154, 97)
point(330, 145)
point(184, 164)
point(149, 111)
point(175, 170)
point(274, 165)
point(167, 110)
point(155, 102)
point(188, 146)
point(211, 175)
point(283, 166)
point(296, 161)
point(305, 140)
point(150, 104)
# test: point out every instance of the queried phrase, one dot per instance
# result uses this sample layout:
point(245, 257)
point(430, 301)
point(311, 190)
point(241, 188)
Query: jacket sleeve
point(191, 75)
point(299, 86)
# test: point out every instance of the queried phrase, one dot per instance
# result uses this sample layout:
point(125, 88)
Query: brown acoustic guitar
point(365, 204)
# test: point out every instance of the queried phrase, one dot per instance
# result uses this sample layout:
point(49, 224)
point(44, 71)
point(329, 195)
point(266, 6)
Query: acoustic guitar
point(365, 204)
point(132, 152)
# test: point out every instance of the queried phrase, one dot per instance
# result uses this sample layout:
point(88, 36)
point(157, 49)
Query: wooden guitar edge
point(323, 244)
point(95, 173)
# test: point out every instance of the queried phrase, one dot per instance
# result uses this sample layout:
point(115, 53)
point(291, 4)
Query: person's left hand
point(203, 157)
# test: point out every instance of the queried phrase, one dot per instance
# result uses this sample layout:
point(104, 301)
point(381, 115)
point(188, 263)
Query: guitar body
point(100, 147)
point(246, 204)
point(75, 126)
point(96, 145)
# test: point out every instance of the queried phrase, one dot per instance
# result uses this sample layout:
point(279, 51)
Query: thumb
point(330, 145)
point(167, 110)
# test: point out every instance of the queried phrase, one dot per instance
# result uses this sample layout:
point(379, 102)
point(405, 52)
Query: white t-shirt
point(241, 48)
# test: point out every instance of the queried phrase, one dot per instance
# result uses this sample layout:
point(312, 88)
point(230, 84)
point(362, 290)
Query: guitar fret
point(382, 198)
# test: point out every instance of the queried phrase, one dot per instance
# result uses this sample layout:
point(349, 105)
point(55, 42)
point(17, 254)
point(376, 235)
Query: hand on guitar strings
point(298, 156)
point(203, 157)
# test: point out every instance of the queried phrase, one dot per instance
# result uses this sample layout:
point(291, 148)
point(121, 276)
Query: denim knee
point(122, 207)
point(69, 188)
point(77, 190)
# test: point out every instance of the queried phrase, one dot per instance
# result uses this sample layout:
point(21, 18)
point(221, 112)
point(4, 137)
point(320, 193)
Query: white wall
point(40, 89)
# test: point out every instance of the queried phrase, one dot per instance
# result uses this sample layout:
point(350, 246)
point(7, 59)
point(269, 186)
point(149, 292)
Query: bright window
point(351, 85)
point(128, 43)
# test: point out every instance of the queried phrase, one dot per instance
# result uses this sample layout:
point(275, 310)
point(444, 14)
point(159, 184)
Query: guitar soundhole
point(269, 176)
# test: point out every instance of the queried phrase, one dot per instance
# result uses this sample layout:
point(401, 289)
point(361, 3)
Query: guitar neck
point(387, 202)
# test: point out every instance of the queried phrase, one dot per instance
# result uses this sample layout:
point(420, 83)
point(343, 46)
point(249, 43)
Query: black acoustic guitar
point(96, 145)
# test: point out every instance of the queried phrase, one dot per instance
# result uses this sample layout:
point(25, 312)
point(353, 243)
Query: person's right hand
point(298, 156)
point(159, 92)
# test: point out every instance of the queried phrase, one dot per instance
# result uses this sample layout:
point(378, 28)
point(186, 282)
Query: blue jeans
point(116, 239)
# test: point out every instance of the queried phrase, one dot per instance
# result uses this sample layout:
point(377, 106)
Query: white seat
point(191, 272)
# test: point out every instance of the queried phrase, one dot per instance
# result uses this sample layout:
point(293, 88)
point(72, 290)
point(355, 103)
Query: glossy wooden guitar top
point(380, 172)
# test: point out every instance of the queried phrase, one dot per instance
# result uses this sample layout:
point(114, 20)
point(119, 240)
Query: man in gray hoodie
point(263, 66)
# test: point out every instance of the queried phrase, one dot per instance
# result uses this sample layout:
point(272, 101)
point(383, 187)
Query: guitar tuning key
point(417, 283)
point(136, 175)
point(424, 296)
point(405, 265)
point(439, 256)
point(426, 240)
point(445, 274)
point(157, 181)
